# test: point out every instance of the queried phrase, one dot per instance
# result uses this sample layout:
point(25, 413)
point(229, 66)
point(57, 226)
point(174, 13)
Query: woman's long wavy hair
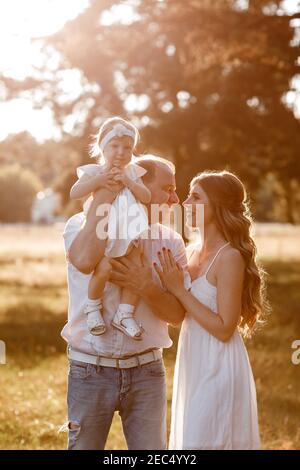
point(230, 205)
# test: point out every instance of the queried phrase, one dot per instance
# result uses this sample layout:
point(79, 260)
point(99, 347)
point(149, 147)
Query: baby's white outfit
point(127, 218)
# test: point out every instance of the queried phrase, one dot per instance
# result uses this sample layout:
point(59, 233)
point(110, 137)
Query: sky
point(23, 20)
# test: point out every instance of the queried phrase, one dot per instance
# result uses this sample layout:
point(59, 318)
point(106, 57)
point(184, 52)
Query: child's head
point(115, 142)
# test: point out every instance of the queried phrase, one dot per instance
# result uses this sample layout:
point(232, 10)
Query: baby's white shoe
point(125, 322)
point(95, 322)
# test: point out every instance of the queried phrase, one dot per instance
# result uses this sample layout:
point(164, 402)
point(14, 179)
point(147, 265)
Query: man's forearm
point(87, 249)
point(163, 304)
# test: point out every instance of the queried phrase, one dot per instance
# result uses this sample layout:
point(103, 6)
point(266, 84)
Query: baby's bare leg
point(127, 296)
point(99, 278)
point(93, 307)
point(124, 318)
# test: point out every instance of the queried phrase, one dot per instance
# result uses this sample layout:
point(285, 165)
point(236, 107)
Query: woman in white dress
point(214, 397)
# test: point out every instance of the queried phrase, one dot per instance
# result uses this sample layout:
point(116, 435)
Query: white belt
point(134, 361)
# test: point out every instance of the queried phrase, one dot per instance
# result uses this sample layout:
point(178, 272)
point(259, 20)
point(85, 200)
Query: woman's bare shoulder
point(231, 257)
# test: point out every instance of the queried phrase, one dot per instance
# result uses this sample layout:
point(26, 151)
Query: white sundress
point(214, 396)
point(127, 218)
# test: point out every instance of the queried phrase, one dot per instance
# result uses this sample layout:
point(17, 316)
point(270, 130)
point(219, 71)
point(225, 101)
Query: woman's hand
point(171, 273)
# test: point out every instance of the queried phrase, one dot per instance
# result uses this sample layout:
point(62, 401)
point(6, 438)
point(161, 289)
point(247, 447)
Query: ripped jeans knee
point(73, 428)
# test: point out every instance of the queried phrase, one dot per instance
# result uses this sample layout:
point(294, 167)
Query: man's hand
point(135, 276)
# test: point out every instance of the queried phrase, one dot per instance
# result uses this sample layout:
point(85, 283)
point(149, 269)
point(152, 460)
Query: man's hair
point(150, 163)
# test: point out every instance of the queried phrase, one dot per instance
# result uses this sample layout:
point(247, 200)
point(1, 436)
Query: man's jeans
point(138, 393)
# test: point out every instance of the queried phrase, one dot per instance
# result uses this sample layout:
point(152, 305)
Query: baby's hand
point(105, 179)
point(114, 184)
point(120, 176)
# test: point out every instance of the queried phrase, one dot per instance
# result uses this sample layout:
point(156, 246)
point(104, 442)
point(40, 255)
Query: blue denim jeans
point(138, 394)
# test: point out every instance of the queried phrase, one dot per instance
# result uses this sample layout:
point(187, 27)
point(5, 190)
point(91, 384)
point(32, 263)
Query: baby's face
point(118, 151)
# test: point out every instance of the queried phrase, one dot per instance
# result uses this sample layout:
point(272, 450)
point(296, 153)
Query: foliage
point(18, 188)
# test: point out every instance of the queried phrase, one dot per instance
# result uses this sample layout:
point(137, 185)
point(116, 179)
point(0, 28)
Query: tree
point(47, 160)
point(214, 74)
point(18, 188)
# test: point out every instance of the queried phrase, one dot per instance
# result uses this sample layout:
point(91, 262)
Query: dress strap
point(214, 258)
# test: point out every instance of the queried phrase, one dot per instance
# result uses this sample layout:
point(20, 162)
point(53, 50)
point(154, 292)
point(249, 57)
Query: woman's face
point(118, 151)
point(198, 208)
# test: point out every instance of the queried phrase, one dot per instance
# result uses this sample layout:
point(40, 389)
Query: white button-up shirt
point(114, 343)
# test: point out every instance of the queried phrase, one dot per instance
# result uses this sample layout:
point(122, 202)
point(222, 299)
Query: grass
point(33, 309)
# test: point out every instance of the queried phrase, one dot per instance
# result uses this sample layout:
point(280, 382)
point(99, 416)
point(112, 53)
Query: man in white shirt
point(112, 372)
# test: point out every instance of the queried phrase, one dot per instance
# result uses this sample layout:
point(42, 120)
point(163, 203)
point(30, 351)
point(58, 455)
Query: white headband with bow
point(118, 130)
